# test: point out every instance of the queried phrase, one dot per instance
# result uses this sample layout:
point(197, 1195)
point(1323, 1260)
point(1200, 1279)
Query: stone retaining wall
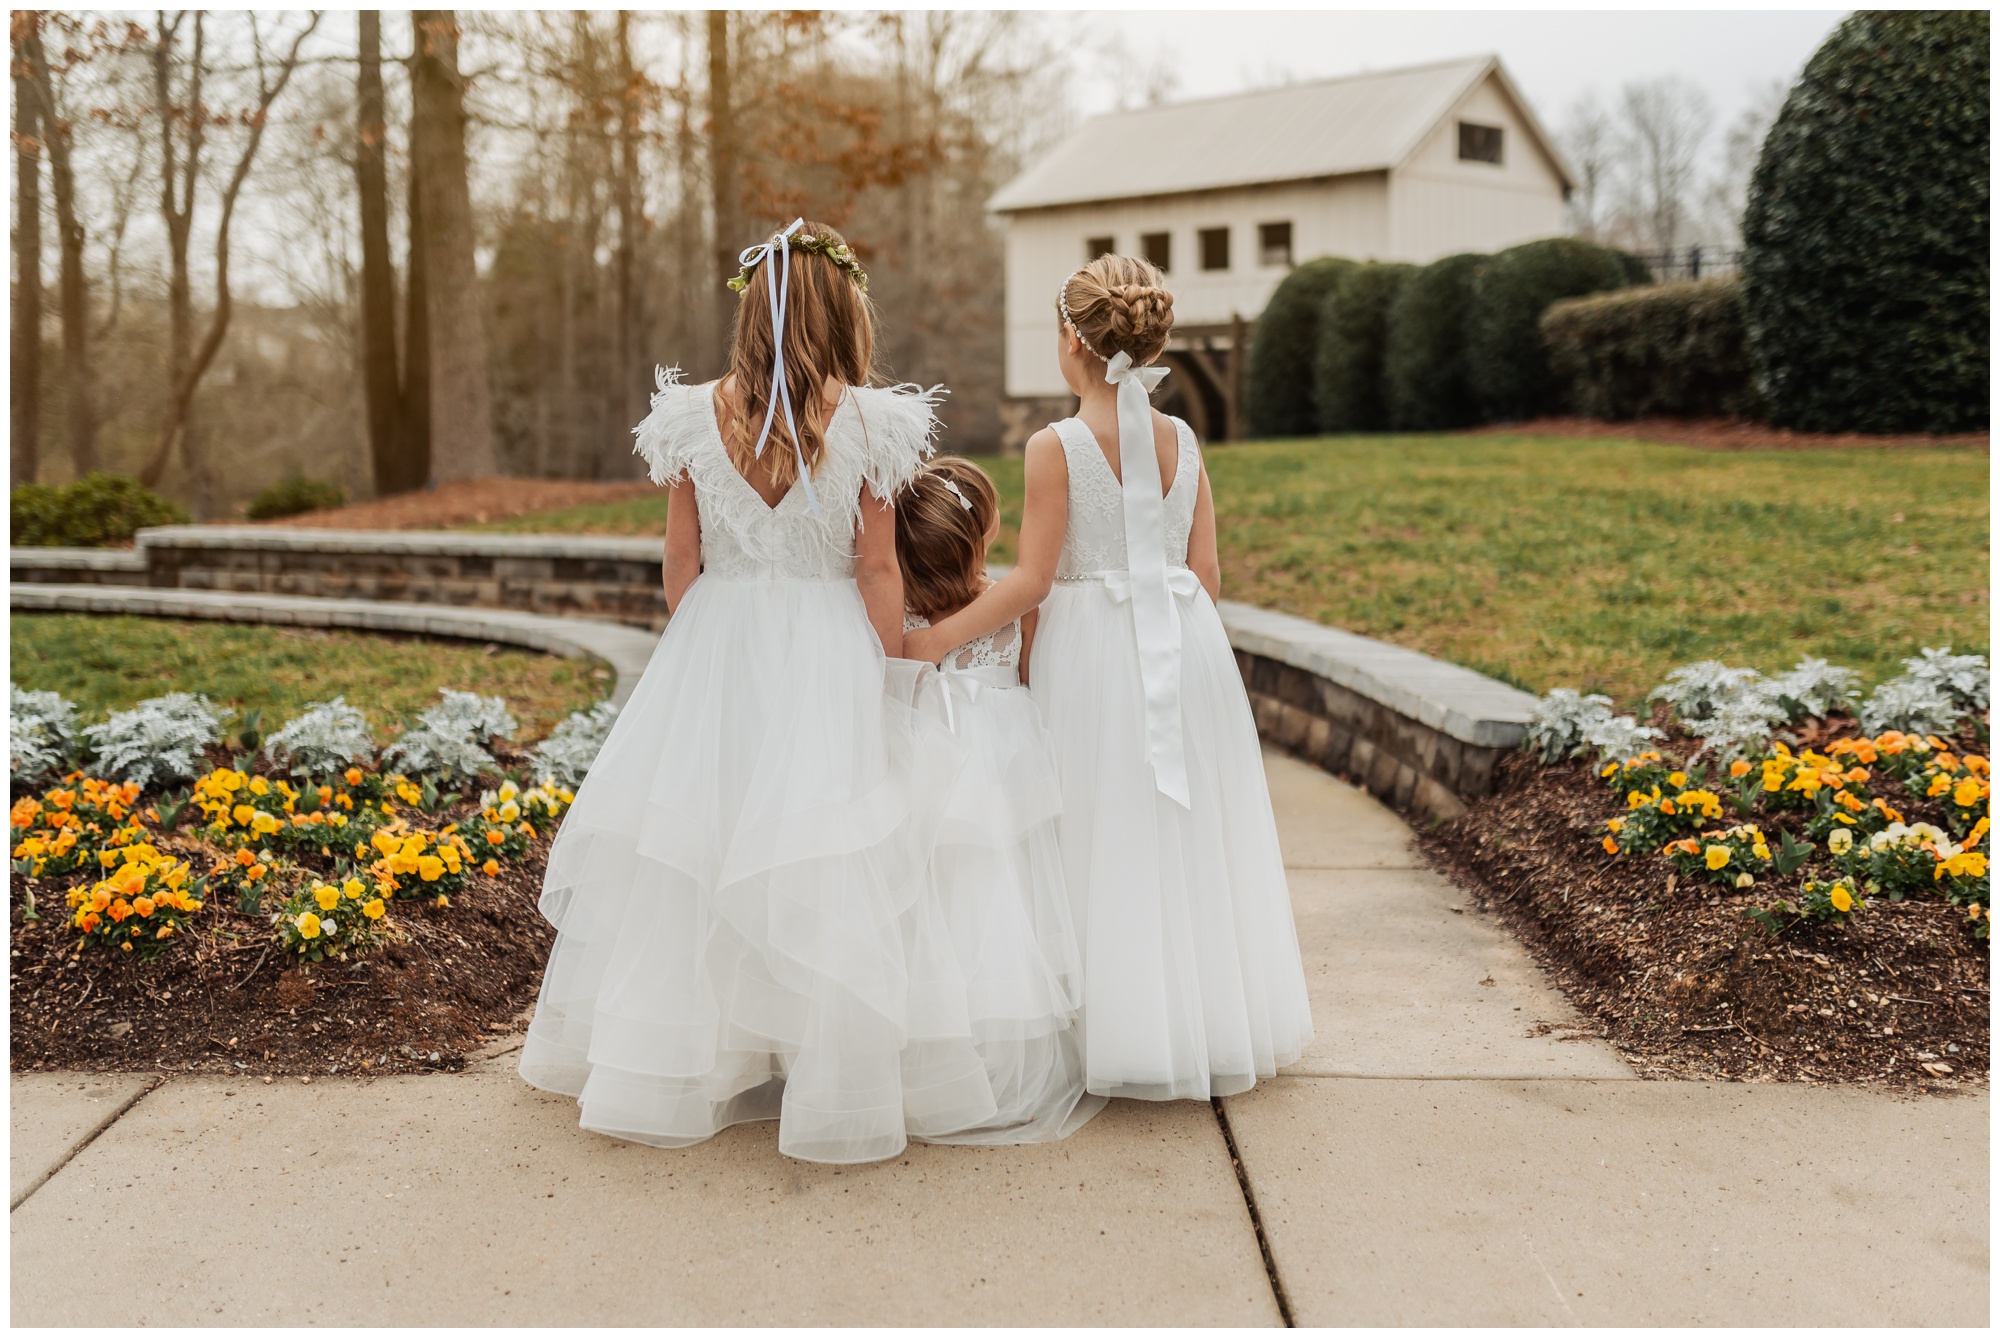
point(1420, 733)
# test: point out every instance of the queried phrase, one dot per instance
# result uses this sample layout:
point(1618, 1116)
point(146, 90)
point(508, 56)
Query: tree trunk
point(24, 457)
point(177, 190)
point(722, 173)
point(387, 455)
point(627, 189)
point(416, 427)
point(55, 134)
point(461, 399)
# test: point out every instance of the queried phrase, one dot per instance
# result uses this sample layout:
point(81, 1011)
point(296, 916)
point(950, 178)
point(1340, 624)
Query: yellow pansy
point(308, 925)
point(1717, 856)
point(373, 909)
point(1842, 899)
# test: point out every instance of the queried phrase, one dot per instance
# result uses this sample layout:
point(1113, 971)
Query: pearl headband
point(1062, 301)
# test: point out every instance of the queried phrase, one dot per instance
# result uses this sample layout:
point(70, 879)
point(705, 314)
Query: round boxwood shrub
point(1280, 380)
point(1510, 365)
point(1353, 327)
point(293, 497)
point(96, 511)
point(1865, 239)
point(1428, 380)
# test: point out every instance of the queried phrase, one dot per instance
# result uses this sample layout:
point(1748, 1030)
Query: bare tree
point(1590, 141)
point(1664, 123)
point(26, 364)
point(629, 209)
point(58, 138)
point(460, 398)
point(177, 202)
point(392, 463)
point(722, 164)
point(1727, 191)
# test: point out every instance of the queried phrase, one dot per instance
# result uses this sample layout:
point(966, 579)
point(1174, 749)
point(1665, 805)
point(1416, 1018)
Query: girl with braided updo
point(1192, 982)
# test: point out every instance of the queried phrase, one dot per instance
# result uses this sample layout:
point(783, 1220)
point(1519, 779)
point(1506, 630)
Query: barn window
point(1274, 243)
point(1157, 247)
point(1478, 143)
point(1098, 246)
point(1214, 247)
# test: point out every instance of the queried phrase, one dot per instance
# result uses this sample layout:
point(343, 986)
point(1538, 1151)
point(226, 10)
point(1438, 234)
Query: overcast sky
point(1554, 56)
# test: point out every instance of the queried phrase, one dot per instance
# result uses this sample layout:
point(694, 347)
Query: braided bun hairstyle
point(1119, 304)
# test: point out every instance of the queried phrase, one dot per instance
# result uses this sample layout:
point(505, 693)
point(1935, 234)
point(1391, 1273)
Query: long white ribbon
point(781, 391)
point(1154, 619)
point(969, 684)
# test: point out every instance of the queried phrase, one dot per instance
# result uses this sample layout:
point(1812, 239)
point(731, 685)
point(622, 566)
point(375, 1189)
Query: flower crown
point(839, 253)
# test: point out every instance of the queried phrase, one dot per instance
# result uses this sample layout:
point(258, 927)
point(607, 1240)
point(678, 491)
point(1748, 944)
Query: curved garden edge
point(624, 649)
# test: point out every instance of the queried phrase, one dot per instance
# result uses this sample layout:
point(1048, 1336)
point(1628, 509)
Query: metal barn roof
point(1359, 123)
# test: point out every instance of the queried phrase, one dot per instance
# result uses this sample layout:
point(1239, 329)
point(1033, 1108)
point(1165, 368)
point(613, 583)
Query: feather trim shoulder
point(899, 430)
point(669, 437)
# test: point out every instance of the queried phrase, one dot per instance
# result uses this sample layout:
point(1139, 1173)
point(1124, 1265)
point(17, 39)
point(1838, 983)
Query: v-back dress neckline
point(1118, 474)
point(722, 444)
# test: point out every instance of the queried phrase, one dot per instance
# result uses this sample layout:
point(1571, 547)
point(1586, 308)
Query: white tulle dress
point(748, 925)
point(1000, 889)
point(1192, 981)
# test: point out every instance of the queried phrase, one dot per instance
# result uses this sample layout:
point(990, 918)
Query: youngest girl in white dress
point(997, 874)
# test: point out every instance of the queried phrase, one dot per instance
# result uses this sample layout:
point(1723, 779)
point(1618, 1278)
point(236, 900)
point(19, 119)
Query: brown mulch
point(1726, 434)
point(467, 502)
point(1681, 981)
point(218, 1001)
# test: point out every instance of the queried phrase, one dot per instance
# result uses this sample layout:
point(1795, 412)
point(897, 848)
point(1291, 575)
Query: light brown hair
point(940, 543)
point(1120, 304)
point(829, 336)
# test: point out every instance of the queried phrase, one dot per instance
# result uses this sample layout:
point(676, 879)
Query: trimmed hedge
point(1280, 375)
point(96, 511)
point(1673, 349)
point(1348, 384)
point(295, 496)
point(1510, 365)
point(1429, 381)
point(1866, 234)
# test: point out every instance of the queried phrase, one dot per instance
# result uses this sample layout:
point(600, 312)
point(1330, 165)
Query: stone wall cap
point(78, 559)
point(1448, 697)
point(437, 543)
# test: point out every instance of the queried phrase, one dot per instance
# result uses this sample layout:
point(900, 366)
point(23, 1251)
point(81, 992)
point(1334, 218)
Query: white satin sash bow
point(968, 684)
point(1147, 584)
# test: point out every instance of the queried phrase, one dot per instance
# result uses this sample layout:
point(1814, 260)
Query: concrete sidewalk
point(1431, 1160)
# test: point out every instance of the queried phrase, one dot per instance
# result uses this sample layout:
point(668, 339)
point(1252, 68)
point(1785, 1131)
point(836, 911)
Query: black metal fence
point(1692, 262)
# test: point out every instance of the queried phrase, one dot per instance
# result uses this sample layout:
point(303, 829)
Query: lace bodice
point(878, 436)
point(999, 649)
point(1094, 540)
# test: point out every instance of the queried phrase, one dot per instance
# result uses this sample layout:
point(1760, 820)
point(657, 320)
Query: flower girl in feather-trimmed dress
point(1192, 981)
point(747, 924)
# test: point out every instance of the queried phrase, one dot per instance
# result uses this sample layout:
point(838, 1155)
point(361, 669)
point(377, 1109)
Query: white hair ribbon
point(781, 391)
point(952, 488)
point(1155, 620)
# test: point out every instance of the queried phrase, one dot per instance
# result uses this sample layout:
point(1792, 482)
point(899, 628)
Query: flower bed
point(1792, 899)
point(296, 911)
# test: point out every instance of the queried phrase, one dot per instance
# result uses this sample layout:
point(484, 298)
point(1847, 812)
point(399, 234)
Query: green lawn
point(1595, 563)
point(107, 664)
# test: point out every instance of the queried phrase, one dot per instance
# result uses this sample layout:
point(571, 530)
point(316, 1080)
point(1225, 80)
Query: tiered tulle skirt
point(749, 923)
point(1193, 985)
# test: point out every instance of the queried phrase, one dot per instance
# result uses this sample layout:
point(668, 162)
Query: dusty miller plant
point(1739, 726)
point(324, 738)
point(567, 753)
point(1813, 687)
point(1562, 719)
point(158, 740)
point(1935, 691)
point(1699, 690)
point(41, 733)
point(449, 739)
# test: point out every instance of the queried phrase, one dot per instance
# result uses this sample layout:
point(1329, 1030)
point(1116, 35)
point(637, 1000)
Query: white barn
point(1227, 194)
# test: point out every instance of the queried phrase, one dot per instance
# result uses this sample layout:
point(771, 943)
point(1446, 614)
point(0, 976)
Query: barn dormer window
point(1478, 143)
point(1158, 248)
point(1214, 248)
point(1094, 247)
point(1274, 244)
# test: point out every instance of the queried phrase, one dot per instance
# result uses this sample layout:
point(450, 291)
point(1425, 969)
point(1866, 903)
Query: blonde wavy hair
point(829, 336)
point(1119, 304)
